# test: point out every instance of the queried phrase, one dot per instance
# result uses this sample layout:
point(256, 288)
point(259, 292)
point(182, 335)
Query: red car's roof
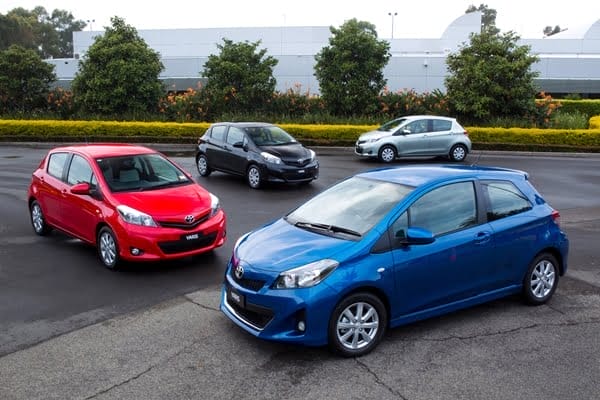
point(106, 149)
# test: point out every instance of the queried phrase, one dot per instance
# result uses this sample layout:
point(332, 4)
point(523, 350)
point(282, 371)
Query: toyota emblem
point(239, 271)
point(189, 219)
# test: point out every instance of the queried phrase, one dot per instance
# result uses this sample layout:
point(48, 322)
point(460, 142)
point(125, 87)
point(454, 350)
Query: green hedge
point(588, 108)
point(581, 140)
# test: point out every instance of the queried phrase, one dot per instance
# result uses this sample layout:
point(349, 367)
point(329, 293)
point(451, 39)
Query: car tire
point(202, 165)
point(38, 221)
point(458, 153)
point(387, 153)
point(254, 176)
point(357, 337)
point(108, 248)
point(541, 279)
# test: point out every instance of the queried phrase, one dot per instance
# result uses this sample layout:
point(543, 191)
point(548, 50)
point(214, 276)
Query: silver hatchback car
point(415, 135)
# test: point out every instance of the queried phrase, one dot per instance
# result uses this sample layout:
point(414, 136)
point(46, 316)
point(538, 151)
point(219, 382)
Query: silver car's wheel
point(108, 249)
point(202, 165)
point(458, 152)
point(357, 324)
point(387, 154)
point(37, 219)
point(541, 279)
point(254, 177)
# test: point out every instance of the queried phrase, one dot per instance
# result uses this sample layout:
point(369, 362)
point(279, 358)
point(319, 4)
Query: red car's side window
point(56, 164)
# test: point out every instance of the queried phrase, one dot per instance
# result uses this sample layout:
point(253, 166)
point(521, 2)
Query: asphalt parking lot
point(171, 341)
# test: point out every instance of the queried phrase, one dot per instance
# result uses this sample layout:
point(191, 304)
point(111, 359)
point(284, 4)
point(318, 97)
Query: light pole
point(90, 21)
point(392, 15)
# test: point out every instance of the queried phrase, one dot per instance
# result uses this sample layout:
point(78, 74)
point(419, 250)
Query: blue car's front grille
point(250, 284)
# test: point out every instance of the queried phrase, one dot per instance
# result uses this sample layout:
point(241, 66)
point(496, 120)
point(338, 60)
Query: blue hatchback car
point(392, 246)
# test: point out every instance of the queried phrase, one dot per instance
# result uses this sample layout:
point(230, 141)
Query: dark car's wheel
point(37, 219)
point(357, 325)
point(254, 176)
point(458, 152)
point(541, 279)
point(108, 249)
point(202, 165)
point(387, 153)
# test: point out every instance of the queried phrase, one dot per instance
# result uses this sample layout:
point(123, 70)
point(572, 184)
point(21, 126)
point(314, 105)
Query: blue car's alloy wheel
point(357, 325)
point(541, 279)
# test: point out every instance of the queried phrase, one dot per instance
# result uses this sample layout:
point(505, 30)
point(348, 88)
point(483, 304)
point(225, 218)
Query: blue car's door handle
point(483, 237)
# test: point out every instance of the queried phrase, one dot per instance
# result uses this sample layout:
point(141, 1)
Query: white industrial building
point(568, 63)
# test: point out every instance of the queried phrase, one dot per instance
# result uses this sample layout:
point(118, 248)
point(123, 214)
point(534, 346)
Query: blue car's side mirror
point(415, 235)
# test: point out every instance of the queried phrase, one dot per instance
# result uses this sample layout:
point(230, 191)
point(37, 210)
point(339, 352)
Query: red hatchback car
point(131, 202)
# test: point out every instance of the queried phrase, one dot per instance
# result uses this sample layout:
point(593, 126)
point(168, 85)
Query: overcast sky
point(415, 19)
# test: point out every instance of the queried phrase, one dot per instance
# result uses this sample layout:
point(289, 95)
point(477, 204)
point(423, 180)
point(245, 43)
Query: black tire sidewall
point(369, 298)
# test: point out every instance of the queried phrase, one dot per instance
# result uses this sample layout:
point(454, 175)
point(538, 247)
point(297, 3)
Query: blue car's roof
point(426, 174)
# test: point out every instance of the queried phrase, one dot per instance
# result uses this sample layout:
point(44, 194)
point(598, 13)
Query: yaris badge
point(189, 219)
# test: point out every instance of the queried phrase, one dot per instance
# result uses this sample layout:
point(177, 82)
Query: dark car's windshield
point(391, 125)
point(269, 135)
point(350, 208)
point(140, 172)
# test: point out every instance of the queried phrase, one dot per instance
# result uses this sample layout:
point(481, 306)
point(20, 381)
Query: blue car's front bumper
point(274, 314)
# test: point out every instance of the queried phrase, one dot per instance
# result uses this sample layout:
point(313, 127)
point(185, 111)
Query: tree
point(491, 77)
point(24, 80)
point(119, 74)
point(549, 30)
point(51, 35)
point(488, 17)
point(240, 76)
point(350, 69)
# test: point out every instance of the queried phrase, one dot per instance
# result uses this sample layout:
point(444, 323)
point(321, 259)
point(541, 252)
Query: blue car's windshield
point(350, 208)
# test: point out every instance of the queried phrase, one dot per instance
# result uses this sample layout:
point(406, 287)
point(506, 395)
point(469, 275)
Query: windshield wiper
point(328, 228)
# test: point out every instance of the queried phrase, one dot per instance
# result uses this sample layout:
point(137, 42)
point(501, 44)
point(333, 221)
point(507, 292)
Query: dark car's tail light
point(556, 217)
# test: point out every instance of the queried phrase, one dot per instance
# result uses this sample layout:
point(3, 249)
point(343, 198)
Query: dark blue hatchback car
point(392, 246)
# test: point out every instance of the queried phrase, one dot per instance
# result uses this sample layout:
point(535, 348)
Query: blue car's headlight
point(305, 276)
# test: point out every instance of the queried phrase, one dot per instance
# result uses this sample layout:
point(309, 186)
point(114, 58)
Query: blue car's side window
point(504, 199)
point(445, 209)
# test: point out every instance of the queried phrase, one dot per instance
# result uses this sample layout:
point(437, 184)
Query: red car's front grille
point(184, 225)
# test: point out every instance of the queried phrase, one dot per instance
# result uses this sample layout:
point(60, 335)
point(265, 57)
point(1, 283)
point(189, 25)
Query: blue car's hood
point(280, 246)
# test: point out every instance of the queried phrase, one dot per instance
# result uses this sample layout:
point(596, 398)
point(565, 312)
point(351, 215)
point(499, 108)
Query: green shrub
point(568, 120)
point(587, 107)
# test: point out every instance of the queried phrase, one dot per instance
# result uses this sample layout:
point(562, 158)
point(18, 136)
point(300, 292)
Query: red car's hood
point(168, 203)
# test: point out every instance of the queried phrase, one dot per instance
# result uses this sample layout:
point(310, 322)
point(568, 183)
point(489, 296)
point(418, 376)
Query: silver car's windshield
point(350, 208)
point(391, 125)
